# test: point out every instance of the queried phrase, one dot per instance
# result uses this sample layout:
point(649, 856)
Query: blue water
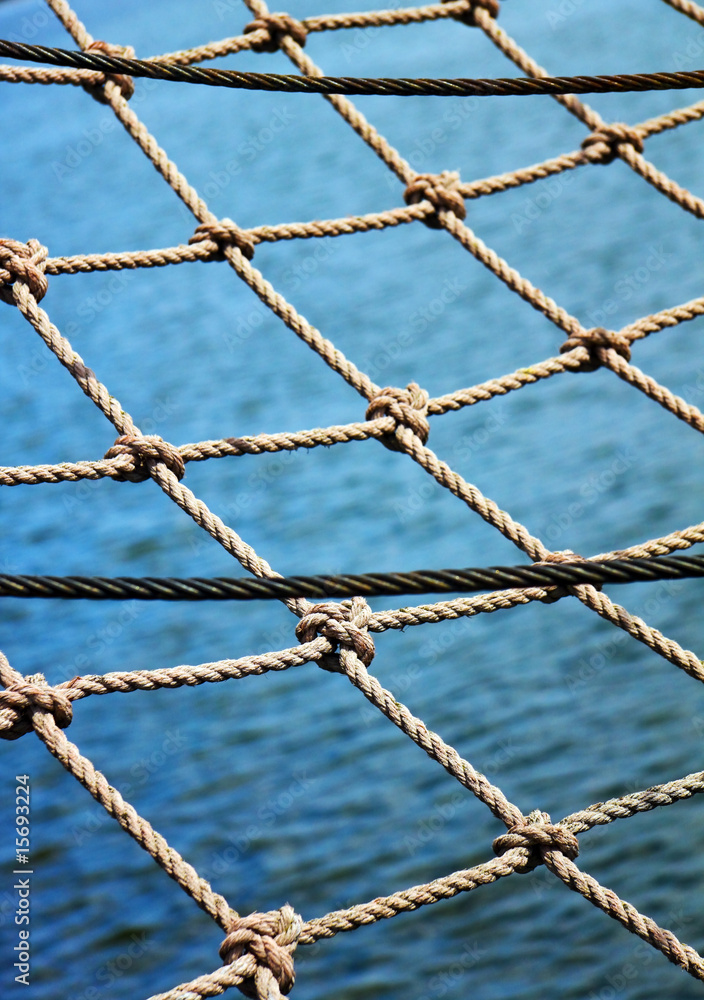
point(289, 787)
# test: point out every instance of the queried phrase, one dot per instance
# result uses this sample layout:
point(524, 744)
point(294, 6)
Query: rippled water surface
point(289, 786)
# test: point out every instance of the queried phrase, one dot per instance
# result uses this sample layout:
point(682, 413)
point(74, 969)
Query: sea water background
point(289, 787)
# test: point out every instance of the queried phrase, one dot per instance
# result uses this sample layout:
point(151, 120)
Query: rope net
point(257, 952)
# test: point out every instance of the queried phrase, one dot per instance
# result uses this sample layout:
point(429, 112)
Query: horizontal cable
point(561, 574)
point(275, 82)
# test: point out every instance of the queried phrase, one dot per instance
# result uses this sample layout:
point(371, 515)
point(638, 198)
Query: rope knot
point(441, 190)
point(23, 262)
point(270, 939)
point(124, 82)
point(277, 26)
point(21, 698)
point(538, 835)
point(225, 233)
point(406, 407)
point(144, 451)
point(467, 15)
point(594, 339)
point(341, 624)
point(564, 556)
point(602, 145)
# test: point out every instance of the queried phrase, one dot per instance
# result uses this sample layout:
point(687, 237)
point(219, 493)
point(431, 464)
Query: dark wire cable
point(275, 82)
point(444, 581)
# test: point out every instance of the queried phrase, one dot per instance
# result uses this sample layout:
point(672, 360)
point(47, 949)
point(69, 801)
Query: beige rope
point(82, 769)
point(688, 8)
point(258, 949)
point(22, 263)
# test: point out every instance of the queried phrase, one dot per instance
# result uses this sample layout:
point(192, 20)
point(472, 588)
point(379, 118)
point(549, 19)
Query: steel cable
point(275, 82)
point(443, 581)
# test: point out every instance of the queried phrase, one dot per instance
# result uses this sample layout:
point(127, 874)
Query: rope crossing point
point(257, 953)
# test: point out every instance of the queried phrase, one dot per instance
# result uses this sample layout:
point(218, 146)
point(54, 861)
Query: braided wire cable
point(621, 83)
point(342, 585)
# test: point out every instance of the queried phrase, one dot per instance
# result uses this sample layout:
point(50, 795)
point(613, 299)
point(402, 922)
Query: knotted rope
point(343, 625)
point(23, 696)
point(467, 16)
point(224, 233)
point(441, 190)
point(124, 82)
point(23, 262)
point(564, 556)
point(277, 26)
point(406, 407)
point(145, 451)
point(270, 938)
point(601, 146)
point(539, 836)
point(592, 340)
point(260, 947)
